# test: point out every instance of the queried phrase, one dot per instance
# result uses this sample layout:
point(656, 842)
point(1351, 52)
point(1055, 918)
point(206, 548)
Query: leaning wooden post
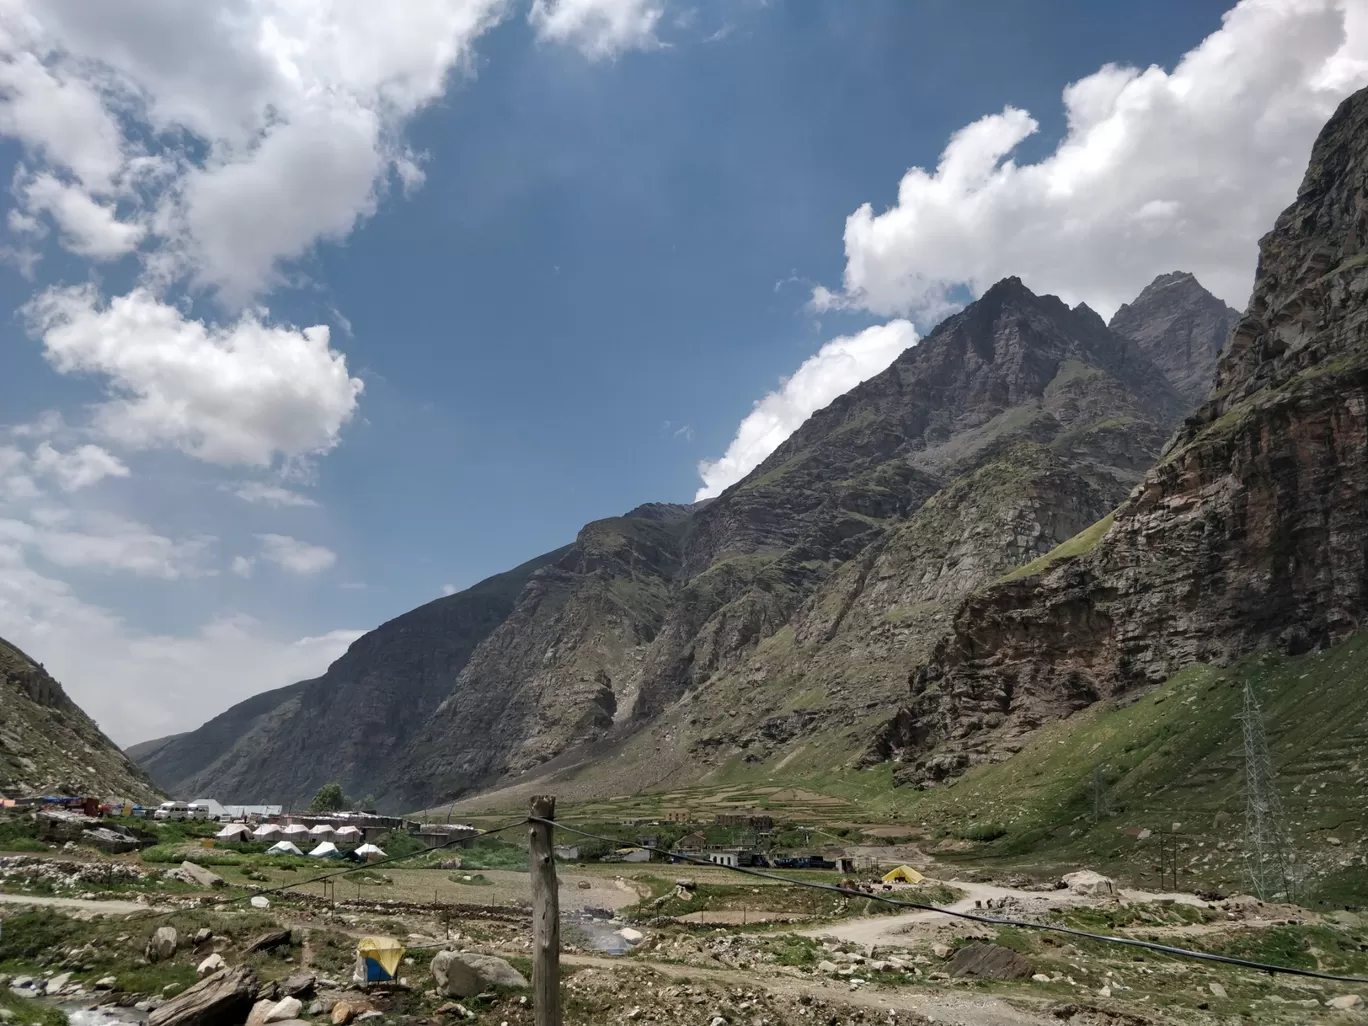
point(546, 1003)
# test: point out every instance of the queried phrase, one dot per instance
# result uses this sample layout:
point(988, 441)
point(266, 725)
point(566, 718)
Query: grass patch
point(27, 1011)
point(1083, 542)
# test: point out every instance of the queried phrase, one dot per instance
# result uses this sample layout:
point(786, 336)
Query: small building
point(444, 835)
point(747, 820)
point(678, 816)
point(695, 841)
point(730, 859)
point(648, 840)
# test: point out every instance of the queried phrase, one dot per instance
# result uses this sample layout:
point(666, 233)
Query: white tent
point(325, 850)
point(349, 833)
point(294, 832)
point(322, 832)
point(283, 848)
point(369, 851)
point(234, 832)
point(266, 832)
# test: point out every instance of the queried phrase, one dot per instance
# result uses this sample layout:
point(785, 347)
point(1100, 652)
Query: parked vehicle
point(199, 810)
point(172, 810)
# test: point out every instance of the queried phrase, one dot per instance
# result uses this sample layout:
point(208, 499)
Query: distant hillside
point(347, 725)
point(49, 746)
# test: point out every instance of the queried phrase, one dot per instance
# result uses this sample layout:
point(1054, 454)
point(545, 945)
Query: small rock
point(372, 1014)
point(6, 1015)
point(203, 934)
point(212, 964)
point(315, 1008)
point(1335, 842)
point(106, 983)
point(143, 1006)
point(1345, 1002)
point(584, 885)
point(631, 936)
point(1104, 992)
point(1040, 978)
point(1217, 991)
point(826, 967)
point(342, 1013)
point(300, 986)
point(259, 902)
point(940, 951)
point(718, 1021)
point(285, 1008)
point(55, 985)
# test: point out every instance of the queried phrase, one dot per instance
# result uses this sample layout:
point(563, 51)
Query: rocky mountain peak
point(1181, 327)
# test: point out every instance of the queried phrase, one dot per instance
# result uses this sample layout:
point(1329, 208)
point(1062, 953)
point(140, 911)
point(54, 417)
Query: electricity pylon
point(1267, 844)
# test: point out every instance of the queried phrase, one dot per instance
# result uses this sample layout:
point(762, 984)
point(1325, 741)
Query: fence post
point(546, 1005)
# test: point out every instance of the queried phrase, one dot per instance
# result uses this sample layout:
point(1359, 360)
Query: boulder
point(1217, 991)
point(223, 999)
point(259, 902)
point(162, 944)
point(55, 985)
point(631, 936)
point(106, 983)
point(342, 1013)
point(990, 962)
point(257, 1016)
point(202, 876)
point(212, 964)
point(300, 986)
point(266, 941)
point(941, 951)
point(464, 974)
point(283, 1010)
point(1088, 884)
point(203, 934)
point(1345, 1002)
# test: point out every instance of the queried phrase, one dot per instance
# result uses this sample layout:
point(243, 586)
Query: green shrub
point(981, 832)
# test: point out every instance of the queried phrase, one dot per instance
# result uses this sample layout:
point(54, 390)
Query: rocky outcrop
point(221, 999)
point(48, 745)
point(1250, 531)
point(1182, 328)
point(558, 670)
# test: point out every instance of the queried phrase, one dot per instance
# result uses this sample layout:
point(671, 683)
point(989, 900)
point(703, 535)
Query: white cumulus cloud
point(296, 556)
point(79, 468)
point(92, 540)
point(271, 495)
point(1158, 169)
point(243, 393)
point(836, 368)
point(599, 29)
point(244, 131)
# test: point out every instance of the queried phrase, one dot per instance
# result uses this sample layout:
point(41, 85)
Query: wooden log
point(546, 1002)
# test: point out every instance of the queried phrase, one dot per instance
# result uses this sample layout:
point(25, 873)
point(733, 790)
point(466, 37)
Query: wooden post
point(546, 1003)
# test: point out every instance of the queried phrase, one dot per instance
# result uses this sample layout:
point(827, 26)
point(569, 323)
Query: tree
point(329, 799)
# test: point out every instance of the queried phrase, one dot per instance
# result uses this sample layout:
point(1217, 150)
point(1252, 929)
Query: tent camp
point(234, 832)
point(348, 835)
point(377, 960)
point(903, 874)
point(326, 850)
point(295, 832)
point(266, 832)
point(369, 852)
point(283, 848)
point(322, 832)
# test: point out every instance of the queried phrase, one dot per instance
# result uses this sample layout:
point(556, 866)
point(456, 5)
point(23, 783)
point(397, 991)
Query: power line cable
point(1132, 942)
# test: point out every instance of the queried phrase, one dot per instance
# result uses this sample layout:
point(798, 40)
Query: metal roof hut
point(377, 960)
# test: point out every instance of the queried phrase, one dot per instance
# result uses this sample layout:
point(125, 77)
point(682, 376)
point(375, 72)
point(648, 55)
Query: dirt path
point(876, 930)
point(85, 904)
point(942, 1006)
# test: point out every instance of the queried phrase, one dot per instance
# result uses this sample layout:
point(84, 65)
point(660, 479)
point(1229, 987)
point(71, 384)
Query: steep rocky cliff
point(1181, 327)
point(348, 725)
point(1250, 531)
point(49, 746)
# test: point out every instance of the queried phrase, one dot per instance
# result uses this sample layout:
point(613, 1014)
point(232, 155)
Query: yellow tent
point(377, 959)
point(903, 874)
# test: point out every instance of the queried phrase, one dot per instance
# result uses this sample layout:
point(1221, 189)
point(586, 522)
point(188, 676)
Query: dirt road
point(117, 908)
point(940, 1006)
point(891, 929)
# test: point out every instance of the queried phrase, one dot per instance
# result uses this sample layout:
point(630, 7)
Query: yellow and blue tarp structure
point(903, 874)
point(377, 959)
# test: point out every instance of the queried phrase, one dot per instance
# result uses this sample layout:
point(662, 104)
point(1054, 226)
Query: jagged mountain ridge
point(1181, 327)
point(1013, 425)
point(1250, 531)
point(48, 745)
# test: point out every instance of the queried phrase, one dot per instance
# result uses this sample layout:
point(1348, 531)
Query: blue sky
point(564, 248)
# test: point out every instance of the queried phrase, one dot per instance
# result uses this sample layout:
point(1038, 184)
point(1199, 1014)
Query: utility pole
point(1267, 845)
point(546, 1005)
